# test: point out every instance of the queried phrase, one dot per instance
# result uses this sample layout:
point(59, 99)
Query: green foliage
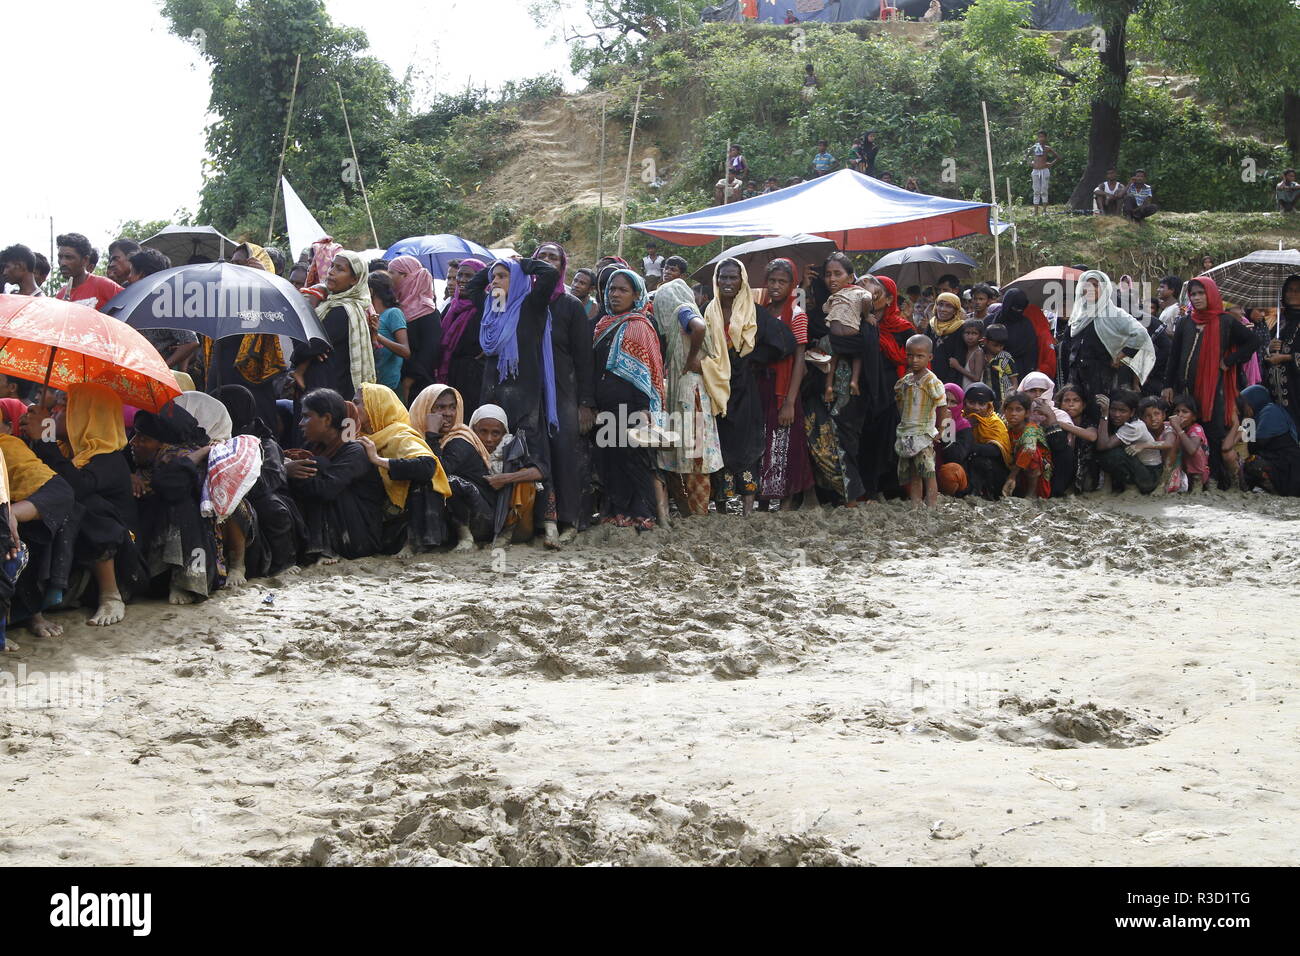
point(142, 228)
point(996, 28)
point(252, 46)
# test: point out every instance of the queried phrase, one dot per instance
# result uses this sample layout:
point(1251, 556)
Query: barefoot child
point(1191, 453)
point(1126, 449)
point(1152, 412)
point(922, 409)
point(1031, 464)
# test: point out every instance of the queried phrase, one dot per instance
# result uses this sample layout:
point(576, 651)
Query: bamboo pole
point(627, 170)
point(284, 145)
point(600, 210)
point(357, 162)
point(993, 195)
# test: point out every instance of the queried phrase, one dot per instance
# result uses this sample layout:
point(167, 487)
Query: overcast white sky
point(119, 105)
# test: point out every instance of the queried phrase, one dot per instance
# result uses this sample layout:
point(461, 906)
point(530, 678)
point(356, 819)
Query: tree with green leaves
point(1245, 52)
point(609, 30)
point(252, 46)
point(1106, 130)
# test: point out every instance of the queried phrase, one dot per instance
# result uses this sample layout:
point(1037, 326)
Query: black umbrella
point(180, 244)
point(802, 249)
point(218, 300)
point(921, 265)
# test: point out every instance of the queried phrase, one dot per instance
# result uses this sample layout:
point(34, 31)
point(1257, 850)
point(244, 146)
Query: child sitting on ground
point(1082, 430)
point(999, 370)
point(1152, 412)
point(1031, 463)
point(922, 410)
point(990, 453)
point(1126, 449)
point(1190, 456)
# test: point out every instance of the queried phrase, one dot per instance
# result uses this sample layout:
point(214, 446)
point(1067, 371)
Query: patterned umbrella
point(1255, 281)
point(61, 344)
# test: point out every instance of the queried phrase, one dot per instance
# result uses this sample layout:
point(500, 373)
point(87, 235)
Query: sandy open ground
point(1084, 682)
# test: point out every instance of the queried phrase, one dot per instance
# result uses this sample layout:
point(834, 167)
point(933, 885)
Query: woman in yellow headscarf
point(439, 412)
point(40, 502)
point(414, 479)
point(101, 482)
point(255, 360)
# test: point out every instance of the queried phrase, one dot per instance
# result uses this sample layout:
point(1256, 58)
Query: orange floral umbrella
point(62, 344)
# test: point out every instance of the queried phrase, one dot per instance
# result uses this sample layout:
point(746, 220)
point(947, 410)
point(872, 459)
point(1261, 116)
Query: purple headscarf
point(458, 315)
point(499, 336)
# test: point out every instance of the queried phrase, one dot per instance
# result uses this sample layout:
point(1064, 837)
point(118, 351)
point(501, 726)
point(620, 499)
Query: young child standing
point(1190, 456)
point(1126, 449)
point(1031, 462)
point(1041, 160)
point(923, 412)
point(972, 336)
point(999, 370)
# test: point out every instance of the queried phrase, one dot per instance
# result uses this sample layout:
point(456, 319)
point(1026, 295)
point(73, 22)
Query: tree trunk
point(1105, 133)
point(1291, 124)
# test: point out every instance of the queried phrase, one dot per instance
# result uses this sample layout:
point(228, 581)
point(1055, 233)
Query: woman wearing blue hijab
point(519, 367)
point(1274, 462)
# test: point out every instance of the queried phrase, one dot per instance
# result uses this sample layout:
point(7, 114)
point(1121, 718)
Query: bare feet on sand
point(43, 627)
point(177, 596)
point(110, 611)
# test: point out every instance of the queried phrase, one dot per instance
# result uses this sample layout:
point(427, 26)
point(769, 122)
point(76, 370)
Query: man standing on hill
point(1041, 160)
point(823, 162)
point(1138, 203)
point(652, 266)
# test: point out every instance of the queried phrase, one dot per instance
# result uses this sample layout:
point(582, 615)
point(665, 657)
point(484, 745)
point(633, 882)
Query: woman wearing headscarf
point(630, 400)
point(884, 363)
point(519, 367)
point(254, 361)
point(1209, 347)
point(1274, 462)
point(575, 397)
point(460, 357)
point(107, 518)
point(786, 469)
point(687, 343)
point(42, 504)
point(947, 321)
point(347, 360)
point(511, 474)
point(1109, 348)
point(280, 529)
point(1281, 355)
point(337, 489)
point(415, 517)
point(740, 428)
point(179, 544)
point(415, 297)
point(439, 414)
point(1022, 336)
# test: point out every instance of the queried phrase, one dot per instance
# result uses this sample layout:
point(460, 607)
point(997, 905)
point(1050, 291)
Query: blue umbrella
point(434, 252)
point(217, 299)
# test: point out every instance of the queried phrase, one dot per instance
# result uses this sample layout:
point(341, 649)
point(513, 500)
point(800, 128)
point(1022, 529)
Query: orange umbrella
point(62, 344)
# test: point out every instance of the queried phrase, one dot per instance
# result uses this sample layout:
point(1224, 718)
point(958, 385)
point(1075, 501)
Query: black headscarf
point(242, 406)
point(1022, 340)
point(172, 425)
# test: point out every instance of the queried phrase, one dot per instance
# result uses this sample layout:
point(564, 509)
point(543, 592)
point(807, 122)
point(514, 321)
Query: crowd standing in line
point(538, 398)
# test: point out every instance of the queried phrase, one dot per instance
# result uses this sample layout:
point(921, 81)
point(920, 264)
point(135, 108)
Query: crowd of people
point(536, 399)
